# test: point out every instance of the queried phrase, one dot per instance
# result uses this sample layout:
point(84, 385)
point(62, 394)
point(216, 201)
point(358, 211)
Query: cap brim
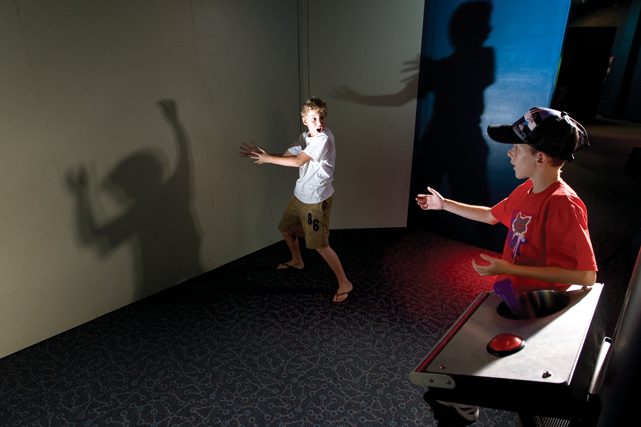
point(504, 134)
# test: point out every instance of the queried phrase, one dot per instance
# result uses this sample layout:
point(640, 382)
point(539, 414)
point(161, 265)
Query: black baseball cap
point(550, 131)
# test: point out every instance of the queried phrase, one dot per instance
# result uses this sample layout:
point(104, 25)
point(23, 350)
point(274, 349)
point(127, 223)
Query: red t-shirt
point(549, 228)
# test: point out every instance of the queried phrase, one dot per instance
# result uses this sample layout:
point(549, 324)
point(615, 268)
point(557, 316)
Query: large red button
point(505, 344)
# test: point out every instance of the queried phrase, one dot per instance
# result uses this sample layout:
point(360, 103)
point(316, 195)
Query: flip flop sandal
point(343, 302)
point(289, 268)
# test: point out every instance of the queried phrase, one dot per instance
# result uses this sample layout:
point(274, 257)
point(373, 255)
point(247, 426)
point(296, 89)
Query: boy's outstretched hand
point(246, 150)
point(261, 155)
point(258, 153)
point(430, 202)
point(495, 266)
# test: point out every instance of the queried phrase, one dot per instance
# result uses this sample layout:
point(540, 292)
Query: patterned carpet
point(246, 345)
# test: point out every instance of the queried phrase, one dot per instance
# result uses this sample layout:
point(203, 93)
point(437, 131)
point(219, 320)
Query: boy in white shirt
point(308, 212)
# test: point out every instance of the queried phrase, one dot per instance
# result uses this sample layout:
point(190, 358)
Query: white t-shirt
point(315, 177)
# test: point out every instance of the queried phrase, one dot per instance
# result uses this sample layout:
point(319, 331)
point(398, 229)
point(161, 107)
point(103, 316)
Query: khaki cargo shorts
point(310, 221)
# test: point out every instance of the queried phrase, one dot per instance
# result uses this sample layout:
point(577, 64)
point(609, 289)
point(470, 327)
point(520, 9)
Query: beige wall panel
point(361, 47)
point(95, 73)
point(248, 61)
point(42, 282)
point(42, 286)
point(79, 90)
point(101, 67)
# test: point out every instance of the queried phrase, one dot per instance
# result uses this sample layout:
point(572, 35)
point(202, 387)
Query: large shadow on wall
point(450, 152)
point(158, 219)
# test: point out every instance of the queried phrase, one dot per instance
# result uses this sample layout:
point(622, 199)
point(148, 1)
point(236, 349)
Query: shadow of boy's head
point(469, 26)
point(135, 178)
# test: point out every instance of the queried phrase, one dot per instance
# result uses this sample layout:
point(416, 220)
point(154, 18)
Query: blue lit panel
point(483, 62)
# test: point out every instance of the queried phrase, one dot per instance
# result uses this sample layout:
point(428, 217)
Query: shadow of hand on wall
point(451, 154)
point(398, 99)
point(159, 220)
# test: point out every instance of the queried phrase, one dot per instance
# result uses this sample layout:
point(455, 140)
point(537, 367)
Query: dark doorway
point(584, 64)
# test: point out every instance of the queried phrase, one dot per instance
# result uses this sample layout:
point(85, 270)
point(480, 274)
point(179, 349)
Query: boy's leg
point(316, 225)
point(344, 285)
point(294, 248)
point(290, 226)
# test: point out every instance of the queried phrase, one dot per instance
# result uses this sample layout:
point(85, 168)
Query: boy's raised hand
point(430, 202)
point(246, 150)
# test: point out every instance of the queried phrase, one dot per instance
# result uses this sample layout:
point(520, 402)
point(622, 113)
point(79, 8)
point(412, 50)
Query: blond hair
point(313, 104)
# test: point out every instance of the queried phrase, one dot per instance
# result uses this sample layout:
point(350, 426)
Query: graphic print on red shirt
point(517, 234)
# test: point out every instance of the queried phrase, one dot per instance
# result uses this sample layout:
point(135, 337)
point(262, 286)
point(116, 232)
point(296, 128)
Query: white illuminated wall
point(80, 83)
point(365, 47)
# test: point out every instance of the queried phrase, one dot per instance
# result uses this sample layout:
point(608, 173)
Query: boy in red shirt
point(548, 245)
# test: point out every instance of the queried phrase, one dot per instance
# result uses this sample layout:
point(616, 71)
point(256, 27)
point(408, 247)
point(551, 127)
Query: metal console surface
point(550, 376)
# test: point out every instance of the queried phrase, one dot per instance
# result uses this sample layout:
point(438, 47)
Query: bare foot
point(343, 292)
point(296, 265)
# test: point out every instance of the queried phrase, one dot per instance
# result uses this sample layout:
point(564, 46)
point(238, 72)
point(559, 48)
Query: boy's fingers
point(484, 267)
point(487, 257)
